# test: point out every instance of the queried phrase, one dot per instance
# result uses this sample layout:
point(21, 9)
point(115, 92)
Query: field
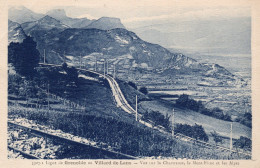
point(186, 116)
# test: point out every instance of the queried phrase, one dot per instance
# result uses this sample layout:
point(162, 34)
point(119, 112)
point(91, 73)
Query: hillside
point(121, 47)
point(45, 23)
point(15, 32)
point(81, 114)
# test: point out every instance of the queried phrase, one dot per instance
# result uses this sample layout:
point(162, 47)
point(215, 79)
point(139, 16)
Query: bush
point(158, 119)
point(185, 102)
point(216, 137)
point(246, 119)
point(196, 131)
point(132, 84)
point(243, 143)
point(143, 90)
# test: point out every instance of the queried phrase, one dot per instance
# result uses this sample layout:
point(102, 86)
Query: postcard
point(116, 83)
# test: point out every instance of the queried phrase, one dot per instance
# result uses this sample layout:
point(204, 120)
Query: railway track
point(122, 103)
point(208, 145)
point(24, 154)
point(92, 152)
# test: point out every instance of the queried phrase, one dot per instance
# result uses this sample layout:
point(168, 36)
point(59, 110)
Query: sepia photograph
point(129, 81)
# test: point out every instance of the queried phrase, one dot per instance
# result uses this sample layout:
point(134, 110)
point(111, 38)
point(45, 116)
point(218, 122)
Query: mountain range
point(108, 38)
point(218, 36)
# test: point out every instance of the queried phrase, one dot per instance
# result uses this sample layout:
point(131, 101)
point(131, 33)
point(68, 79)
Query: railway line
point(80, 150)
point(122, 103)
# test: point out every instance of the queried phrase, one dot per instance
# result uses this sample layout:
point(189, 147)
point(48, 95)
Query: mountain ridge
point(61, 15)
point(45, 23)
point(119, 45)
point(106, 23)
point(22, 14)
point(125, 49)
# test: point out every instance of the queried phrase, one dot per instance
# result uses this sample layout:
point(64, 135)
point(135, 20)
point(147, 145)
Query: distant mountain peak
point(45, 23)
point(51, 21)
point(21, 14)
point(107, 23)
point(48, 18)
point(109, 18)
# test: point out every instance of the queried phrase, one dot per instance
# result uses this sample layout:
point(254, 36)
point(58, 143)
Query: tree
point(182, 100)
point(132, 84)
point(24, 56)
point(143, 90)
point(243, 143)
point(196, 131)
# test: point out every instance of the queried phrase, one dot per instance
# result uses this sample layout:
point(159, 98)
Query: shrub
point(216, 137)
point(243, 143)
point(196, 131)
point(158, 119)
point(185, 102)
point(132, 84)
point(143, 90)
point(246, 119)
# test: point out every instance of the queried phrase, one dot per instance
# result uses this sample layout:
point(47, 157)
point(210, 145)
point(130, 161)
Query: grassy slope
point(187, 116)
point(191, 117)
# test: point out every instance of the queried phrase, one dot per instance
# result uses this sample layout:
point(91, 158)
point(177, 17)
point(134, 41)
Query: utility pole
point(44, 56)
point(64, 61)
point(48, 96)
point(107, 66)
point(173, 122)
point(136, 108)
point(104, 67)
point(231, 137)
point(80, 61)
point(96, 64)
point(114, 71)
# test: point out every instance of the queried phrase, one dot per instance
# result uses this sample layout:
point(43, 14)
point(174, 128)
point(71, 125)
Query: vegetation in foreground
point(123, 137)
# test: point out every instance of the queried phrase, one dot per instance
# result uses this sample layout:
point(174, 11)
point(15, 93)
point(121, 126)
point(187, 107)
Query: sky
point(132, 11)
